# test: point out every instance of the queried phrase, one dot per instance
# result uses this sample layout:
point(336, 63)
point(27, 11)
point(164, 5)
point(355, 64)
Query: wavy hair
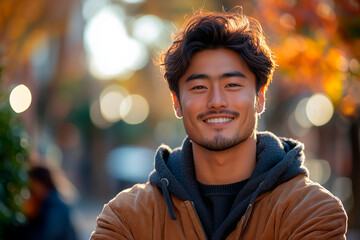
point(212, 30)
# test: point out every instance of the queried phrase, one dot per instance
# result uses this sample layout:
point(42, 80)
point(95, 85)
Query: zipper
point(251, 204)
point(198, 218)
point(245, 217)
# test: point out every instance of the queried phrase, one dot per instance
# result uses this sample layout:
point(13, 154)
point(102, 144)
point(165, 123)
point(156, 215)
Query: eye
point(233, 85)
point(199, 87)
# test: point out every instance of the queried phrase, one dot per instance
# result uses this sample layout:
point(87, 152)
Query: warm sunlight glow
point(134, 109)
point(148, 29)
point(110, 101)
point(96, 116)
point(295, 128)
point(319, 109)
point(348, 106)
point(324, 10)
point(111, 52)
point(354, 65)
point(20, 98)
point(287, 21)
point(319, 169)
point(300, 114)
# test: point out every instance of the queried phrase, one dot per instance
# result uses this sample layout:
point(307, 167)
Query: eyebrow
point(205, 76)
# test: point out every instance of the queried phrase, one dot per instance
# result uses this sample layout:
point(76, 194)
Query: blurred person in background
point(227, 180)
point(48, 215)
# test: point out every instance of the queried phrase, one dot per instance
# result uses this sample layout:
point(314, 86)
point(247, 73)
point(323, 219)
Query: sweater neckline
point(223, 189)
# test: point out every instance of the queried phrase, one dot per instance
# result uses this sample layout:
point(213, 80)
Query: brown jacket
point(296, 209)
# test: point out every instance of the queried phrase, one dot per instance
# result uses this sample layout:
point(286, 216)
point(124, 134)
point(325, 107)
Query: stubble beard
point(221, 143)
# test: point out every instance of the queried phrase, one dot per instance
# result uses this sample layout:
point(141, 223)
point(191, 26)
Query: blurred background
point(81, 92)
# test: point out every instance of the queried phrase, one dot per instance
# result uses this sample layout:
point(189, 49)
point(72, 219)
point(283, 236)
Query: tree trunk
point(354, 215)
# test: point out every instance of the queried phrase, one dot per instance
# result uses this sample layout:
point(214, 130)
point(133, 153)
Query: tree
point(318, 50)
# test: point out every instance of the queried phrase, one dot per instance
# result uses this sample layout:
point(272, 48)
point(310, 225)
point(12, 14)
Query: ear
point(176, 105)
point(260, 103)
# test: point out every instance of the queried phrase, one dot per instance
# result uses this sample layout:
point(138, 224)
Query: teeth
point(218, 120)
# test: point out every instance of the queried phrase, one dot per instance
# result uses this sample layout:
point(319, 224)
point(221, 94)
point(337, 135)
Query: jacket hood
point(278, 160)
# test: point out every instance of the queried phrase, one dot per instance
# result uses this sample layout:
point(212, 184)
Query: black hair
point(212, 30)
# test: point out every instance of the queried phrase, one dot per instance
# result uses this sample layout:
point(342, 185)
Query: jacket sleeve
point(110, 227)
point(313, 213)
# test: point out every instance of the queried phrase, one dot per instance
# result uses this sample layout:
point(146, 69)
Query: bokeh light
point(287, 21)
point(293, 44)
point(111, 52)
point(354, 66)
point(325, 11)
point(130, 163)
point(20, 98)
point(110, 104)
point(295, 128)
point(25, 193)
point(110, 101)
point(134, 109)
point(342, 187)
point(348, 106)
point(320, 170)
point(91, 7)
point(343, 64)
point(319, 109)
point(300, 114)
point(148, 29)
point(133, 1)
point(60, 51)
point(24, 142)
point(96, 116)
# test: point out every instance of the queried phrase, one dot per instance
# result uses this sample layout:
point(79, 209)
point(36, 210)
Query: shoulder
point(301, 190)
point(140, 197)
point(306, 210)
point(130, 211)
point(144, 190)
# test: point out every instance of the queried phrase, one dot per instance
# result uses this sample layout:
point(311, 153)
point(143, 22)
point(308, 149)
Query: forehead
point(215, 62)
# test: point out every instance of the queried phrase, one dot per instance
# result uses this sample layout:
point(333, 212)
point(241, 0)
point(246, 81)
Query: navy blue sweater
point(218, 201)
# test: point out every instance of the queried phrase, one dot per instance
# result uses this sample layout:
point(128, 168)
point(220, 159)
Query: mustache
point(211, 112)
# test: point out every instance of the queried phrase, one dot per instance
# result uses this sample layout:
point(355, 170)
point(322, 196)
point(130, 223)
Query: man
point(226, 181)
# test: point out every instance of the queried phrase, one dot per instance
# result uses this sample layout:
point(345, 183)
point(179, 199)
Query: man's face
point(218, 100)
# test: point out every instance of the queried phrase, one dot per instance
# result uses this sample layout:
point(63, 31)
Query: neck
point(225, 167)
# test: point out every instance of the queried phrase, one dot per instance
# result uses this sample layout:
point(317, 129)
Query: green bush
point(13, 160)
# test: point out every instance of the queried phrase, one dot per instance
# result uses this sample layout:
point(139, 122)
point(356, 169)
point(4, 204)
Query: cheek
point(191, 105)
point(245, 102)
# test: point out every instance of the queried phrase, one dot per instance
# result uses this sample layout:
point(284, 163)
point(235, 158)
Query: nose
point(217, 98)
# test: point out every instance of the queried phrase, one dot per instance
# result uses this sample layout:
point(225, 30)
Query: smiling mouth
point(218, 120)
